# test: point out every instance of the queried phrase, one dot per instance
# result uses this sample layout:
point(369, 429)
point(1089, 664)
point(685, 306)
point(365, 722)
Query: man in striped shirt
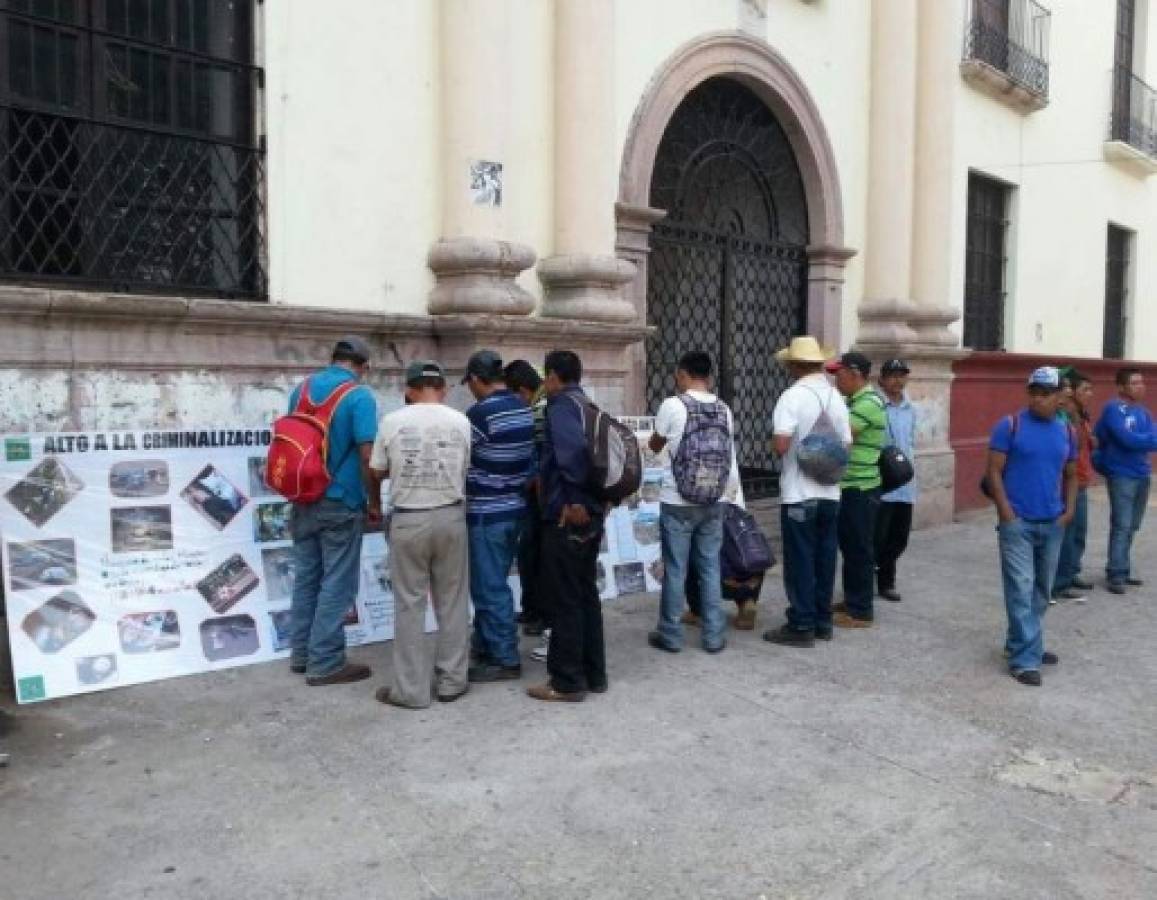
point(501, 462)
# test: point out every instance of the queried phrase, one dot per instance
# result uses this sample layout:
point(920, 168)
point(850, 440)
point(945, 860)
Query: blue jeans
point(1073, 545)
point(810, 540)
point(493, 546)
point(1128, 498)
point(327, 552)
point(1028, 562)
point(691, 532)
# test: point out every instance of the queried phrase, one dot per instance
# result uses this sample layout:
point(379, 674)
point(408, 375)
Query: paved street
point(893, 763)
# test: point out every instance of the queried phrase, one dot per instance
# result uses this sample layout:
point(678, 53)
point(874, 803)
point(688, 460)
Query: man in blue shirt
point(572, 531)
point(327, 535)
point(894, 518)
point(1125, 438)
point(501, 463)
point(1030, 456)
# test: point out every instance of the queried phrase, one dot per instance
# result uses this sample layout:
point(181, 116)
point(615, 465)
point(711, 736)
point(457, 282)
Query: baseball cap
point(850, 360)
point(354, 346)
point(486, 364)
point(422, 368)
point(894, 365)
point(1045, 377)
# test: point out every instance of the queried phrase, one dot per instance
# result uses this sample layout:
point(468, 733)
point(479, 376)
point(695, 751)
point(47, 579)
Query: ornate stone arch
point(765, 72)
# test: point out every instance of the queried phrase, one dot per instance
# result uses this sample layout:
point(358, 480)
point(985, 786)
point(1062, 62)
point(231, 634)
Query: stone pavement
point(893, 763)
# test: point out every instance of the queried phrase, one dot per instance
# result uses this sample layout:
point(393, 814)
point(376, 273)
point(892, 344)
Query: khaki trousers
point(430, 560)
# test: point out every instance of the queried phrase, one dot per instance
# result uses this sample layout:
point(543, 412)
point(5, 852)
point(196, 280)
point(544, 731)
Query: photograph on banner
point(135, 556)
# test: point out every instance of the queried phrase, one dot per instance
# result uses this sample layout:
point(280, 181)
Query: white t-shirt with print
point(795, 415)
point(425, 448)
point(670, 421)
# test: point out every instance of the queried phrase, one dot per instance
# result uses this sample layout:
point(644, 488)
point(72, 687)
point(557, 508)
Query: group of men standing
point(510, 479)
point(1041, 461)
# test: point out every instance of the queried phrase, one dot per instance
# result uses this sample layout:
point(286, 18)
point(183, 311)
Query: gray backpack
point(702, 463)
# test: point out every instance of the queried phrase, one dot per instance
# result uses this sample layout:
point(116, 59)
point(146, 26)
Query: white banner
point(135, 556)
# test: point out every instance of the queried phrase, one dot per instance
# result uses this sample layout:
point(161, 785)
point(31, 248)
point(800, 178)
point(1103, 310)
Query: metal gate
point(728, 266)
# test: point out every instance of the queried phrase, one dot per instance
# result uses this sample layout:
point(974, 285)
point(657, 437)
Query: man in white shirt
point(697, 429)
point(809, 510)
point(424, 449)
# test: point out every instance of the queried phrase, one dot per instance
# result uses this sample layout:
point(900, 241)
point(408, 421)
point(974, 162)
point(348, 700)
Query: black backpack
point(746, 550)
point(896, 468)
point(616, 463)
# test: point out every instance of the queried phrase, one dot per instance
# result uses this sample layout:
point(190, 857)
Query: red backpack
point(296, 464)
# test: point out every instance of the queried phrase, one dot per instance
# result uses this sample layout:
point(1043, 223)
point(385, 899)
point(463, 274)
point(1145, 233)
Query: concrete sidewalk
point(896, 762)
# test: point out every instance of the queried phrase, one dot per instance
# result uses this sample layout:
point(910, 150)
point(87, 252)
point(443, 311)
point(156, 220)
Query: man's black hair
point(1076, 379)
point(429, 381)
point(566, 365)
point(521, 375)
point(696, 363)
point(342, 353)
point(1123, 375)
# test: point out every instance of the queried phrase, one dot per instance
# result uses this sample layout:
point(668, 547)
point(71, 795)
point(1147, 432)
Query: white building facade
point(198, 196)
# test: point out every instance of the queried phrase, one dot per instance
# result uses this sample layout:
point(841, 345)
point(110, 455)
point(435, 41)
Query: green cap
point(422, 368)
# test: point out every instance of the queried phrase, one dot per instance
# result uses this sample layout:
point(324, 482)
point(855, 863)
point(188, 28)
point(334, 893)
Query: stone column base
point(587, 288)
point(884, 323)
point(476, 275)
point(931, 325)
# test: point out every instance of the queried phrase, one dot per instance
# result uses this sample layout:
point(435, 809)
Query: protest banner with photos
point(133, 556)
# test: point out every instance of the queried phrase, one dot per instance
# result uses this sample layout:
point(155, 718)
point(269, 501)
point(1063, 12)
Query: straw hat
point(804, 349)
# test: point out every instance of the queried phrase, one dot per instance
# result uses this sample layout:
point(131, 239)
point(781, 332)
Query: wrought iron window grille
point(129, 153)
point(1011, 36)
point(1116, 292)
point(985, 258)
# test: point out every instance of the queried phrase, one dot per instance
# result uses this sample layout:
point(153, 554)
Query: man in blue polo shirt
point(327, 535)
point(1031, 457)
point(1125, 438)
point(501, 463)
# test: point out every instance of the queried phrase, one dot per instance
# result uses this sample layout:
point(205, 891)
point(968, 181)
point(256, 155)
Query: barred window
point(1116, 293)
point(985, 258)
point(129, 152)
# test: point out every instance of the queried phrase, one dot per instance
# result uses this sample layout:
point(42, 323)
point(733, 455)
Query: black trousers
point(856, 529)
point(534, 606)
point(893, 525)
point(577, 659)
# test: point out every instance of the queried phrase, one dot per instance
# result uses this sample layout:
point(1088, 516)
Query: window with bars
point(129, 152)
point(1116, 292)
point(985, 258)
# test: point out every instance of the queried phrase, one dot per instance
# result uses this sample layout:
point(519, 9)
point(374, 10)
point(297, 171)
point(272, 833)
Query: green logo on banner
point(31, 689)
point(17, 449)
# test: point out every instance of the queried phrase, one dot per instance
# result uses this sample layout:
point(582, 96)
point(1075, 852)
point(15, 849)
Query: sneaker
point(297, 668)
point(692, 619)
point(600, 688)
point(718, 648)
point(348, 673)
point(1133, 581)
point(1049, 659)
point(1031, 677)
point(1081, 584)
point(844, 620)
point(1070, 593)
point(786, 636)
point(656, 640)
point(823, 633)
point(1116, 587)
point(891, 594)
point(542, 651)
point(1053, 600)
point(487, 672)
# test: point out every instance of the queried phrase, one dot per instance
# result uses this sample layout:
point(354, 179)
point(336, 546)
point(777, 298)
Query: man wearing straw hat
point(810, 508)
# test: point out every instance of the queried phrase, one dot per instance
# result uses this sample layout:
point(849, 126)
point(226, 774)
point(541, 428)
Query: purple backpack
point(702, 463)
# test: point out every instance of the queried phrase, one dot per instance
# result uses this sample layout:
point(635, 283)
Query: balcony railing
point(1012, 37)
point(1134, 120)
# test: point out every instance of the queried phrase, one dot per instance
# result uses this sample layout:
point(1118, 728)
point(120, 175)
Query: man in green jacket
point(860, 489)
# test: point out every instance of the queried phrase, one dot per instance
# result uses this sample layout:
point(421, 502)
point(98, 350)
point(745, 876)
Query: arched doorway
point(728, 267)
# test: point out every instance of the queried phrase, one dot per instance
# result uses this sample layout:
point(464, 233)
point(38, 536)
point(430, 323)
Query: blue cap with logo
point(1047, 377)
